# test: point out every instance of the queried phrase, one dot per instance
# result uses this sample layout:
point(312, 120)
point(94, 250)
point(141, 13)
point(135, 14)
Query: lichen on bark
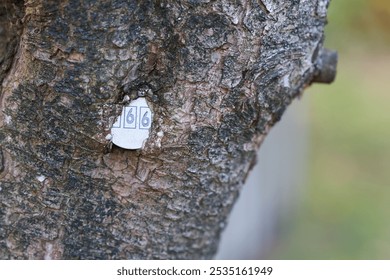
point(221, 73)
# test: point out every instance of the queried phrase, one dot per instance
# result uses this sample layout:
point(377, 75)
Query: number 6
point(145, 121)
point(130, 116)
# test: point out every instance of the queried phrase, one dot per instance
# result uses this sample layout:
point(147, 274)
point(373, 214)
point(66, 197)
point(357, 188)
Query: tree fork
point(220, 74)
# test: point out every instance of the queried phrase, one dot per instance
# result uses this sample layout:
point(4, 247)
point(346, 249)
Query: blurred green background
point(345, 211)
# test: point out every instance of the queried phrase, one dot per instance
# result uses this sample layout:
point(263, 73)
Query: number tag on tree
point(131, 128)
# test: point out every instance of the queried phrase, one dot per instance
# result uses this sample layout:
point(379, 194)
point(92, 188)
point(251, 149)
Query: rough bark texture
point(221, 74)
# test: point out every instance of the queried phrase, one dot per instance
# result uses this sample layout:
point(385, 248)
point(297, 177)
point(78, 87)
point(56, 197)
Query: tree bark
point(219, 75)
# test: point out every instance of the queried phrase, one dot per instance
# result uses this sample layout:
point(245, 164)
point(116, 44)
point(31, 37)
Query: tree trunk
point(218, 75)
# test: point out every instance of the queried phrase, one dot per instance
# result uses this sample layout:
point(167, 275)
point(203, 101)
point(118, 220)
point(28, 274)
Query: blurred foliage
point(358, 22)
point(345, 212)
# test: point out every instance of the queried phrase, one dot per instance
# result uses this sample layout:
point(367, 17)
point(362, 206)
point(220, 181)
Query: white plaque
point(131, 128)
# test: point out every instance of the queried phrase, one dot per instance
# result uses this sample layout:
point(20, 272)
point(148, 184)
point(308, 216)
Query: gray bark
point(220, 74)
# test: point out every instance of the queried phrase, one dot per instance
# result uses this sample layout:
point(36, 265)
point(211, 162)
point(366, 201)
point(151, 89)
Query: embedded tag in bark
point(131, 128)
